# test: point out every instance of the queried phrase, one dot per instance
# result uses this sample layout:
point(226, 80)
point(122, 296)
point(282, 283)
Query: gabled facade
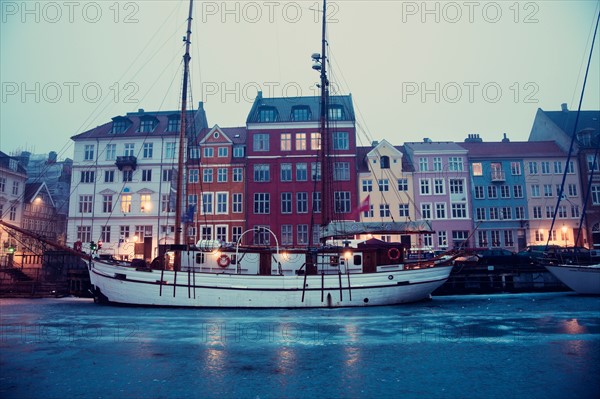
point(441, 193)
point(123, 183)
point(283, 191)
point(560, 126)
point(216, 184)
point(12, 187)
point(40, 216)
point(386, 178)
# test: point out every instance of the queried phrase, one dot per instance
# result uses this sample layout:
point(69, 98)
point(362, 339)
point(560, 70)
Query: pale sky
point(437, 69)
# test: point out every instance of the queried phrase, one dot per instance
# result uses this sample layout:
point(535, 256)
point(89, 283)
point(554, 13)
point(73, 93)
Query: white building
point(123, 182)
point(12, 188)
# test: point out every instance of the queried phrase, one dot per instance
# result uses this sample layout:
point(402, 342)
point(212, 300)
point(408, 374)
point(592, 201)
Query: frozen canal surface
point(501, 346)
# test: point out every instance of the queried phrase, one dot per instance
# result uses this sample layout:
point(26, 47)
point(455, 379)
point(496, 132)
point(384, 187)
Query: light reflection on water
point(374, 352)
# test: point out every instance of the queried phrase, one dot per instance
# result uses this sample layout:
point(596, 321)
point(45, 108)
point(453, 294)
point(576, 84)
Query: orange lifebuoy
point(394, 253)
point(223, 261)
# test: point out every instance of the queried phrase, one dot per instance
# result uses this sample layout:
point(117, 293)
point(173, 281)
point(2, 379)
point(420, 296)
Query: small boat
point(583, 279)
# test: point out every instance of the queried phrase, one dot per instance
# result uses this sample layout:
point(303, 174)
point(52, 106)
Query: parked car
point(538, 253)
point(491, 257)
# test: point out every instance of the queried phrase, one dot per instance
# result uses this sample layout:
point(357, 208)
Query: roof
point(565, 120)
point(237, 135)
point(513, 149)
point(284, 106)
point(32, 190)
point(135, 118)
point(15, 165)
point(429, 146)
point(363, 165)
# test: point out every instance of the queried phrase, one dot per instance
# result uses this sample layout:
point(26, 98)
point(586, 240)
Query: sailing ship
point(336, 272)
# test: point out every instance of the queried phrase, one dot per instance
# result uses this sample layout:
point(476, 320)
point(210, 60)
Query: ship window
point(357, 260)
point(199, 258)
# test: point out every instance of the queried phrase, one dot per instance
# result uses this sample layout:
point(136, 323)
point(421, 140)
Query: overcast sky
point(437, 69)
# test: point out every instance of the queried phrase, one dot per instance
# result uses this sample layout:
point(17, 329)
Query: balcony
point(127, 162)
point(498, 176)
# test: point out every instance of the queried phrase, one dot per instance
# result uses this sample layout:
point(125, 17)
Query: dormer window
point(173, 124)
point(336, 113)
point(385, 162)
point(267, 114)
point(120, 125)
point(301, 113)
point(147, 125)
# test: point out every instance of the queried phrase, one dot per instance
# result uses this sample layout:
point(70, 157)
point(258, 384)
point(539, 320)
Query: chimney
point(200, 105)
point(140, 110)
point(52, 157)
point(505, 139)
point(375, 143)
point(563, 107)
point(473, 138)
point(426, 140)
point(259, 94)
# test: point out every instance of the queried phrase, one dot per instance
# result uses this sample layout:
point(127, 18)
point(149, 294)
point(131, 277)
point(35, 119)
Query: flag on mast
point(365, 205)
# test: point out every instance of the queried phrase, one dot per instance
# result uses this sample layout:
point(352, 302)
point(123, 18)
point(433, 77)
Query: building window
point(107, 203)
point(286, 172)
point(238, 175)
point(504, 191)
point(547, 190)
point(85, 203)
point(267, 114)
point(440, 210)
point(492, 192)
point(208, 152)
point(194, 152)
point(592, 163)
point(424, 186)
point(207, 175)
point(146, 174)
point(341, 171)
point(537, 212)
point(145, 203)
point(455, 164)
point(84, 233)
point(533, 167)
point(384, 210)
point(402, 184)
point(129, 150)
point(426, 211)
point(423, 164)
point(336, 113)
point(167, 175)
point(479, 192)
point(88, 152)
point(260, 142)
point(515, 168)
point(518, 191)
point(301, 172)
point(342, 201)
point(174, 124)
point(575, 211)
point(315, 141)
point(442, 239)
point(367, 186)
point(236, 233)
point(506, 213)
point(287, 235)
point(403, 210)
point(87, 176)
point(238, 151)
point(111, 152)
point(315, 171)
point(457, 186)
point(165, 203)
point(126, 203)
point(300, 141)
point(193, 177)
point(535, 190)
point(286, 141)
point(222, 175)
point(459, 211)
point(480, 214)
point(105, 234)
point(302, 202)
point(300, 113)
point(571, 168)
point(127, 176)
point(124, 232)
point(222, 203)
point(170, 150)
point(316, 202)
point(206, 232)
point(262, 203)
point(147, 150)
point(222, 152)
point(302, 234)
point(236, 203)
point(439, 186)
point(477, 169)
point(207, 203)
point(495, 238)
point(549, 212)
point(558, 167)
point(286, 202)
point(2, 184)
point(572, 190)
point(545, 167)
point(595, 194)
point(341, 141)
point(519, 213)
point(437, 164)
point(369, 213)
point(109, 176)
point(262, 173)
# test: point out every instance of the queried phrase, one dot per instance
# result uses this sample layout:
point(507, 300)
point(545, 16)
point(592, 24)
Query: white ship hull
point(126, 285)
point(581, 279)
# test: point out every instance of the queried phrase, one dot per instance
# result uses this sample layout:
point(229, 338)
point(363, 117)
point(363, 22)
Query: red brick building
point(284, 179)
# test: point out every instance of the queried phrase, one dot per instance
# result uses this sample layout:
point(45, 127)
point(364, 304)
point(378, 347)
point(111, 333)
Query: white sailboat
point(328, 275)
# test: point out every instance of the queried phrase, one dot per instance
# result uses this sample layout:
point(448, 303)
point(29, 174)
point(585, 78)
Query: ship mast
point(325, 140)
point(182, 137)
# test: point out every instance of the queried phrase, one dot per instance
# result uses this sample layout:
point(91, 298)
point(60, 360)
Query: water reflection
point(572, 327)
